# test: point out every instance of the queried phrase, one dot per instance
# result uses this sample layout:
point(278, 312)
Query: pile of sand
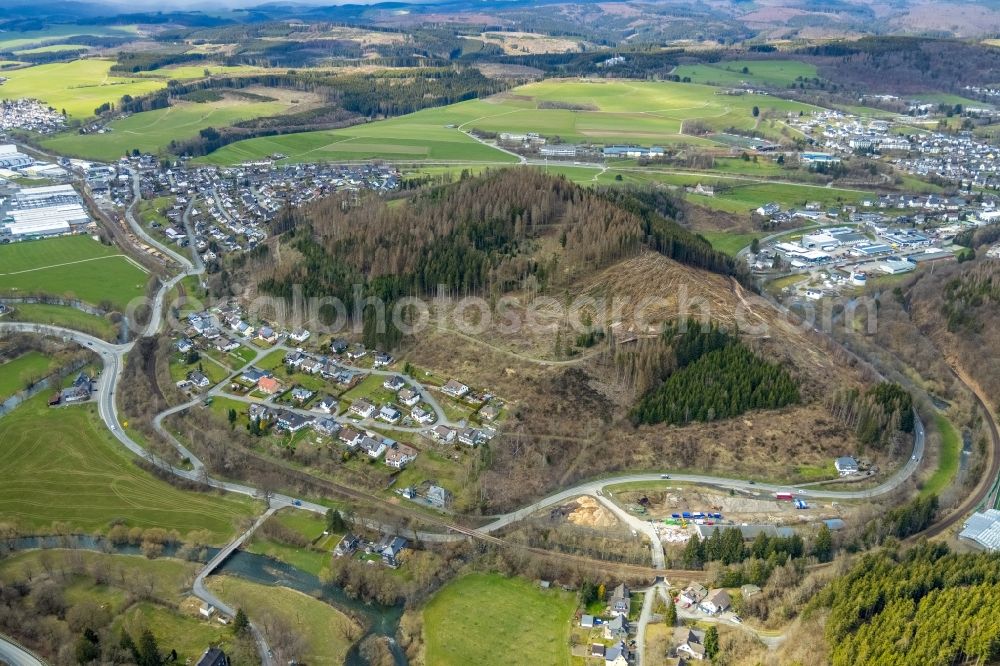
point(588, 512)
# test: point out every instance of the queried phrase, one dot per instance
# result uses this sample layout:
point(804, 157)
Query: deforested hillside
point(958, 306)
point(616, 339)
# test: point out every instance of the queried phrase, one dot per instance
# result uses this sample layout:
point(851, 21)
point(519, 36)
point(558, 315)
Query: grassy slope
point(79, 86)
point(13, 373)
point(67, 317)
point(152, 131)
point(47, 266)
point(487, 619)
point(320, 624)
point(778, 73)
point(305, 523)
point(63, 465)
point(951, 445)
point(627, 112)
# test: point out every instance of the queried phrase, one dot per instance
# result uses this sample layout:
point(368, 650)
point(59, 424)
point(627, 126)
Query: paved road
point(206, 595)
point(14, 655)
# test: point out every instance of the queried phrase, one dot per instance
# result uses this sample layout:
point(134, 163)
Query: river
point(378, 620)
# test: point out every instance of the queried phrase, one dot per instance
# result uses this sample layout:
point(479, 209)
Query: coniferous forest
point(923, 606)
point(716, 377)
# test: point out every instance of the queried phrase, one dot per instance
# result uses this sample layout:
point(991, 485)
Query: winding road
point(113, 359)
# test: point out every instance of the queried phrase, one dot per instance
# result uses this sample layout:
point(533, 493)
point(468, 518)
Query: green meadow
point(71, 267)
point(603, 112)
point(78, 87)
point(152, 131)
point(62, 465)
point(487, 619)
point(772, 73)
point(14, 373)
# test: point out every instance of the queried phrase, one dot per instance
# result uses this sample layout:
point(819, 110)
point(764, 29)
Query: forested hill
point(485, 234)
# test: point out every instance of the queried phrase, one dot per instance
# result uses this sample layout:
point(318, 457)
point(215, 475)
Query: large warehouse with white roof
point(43, 211)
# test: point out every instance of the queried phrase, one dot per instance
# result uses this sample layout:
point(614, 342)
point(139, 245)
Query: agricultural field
point(323, 628)
point(729, 242)
point(78, 87)
point(606, 112)
point(61, 465)
point(772, 73)
point(72, 267)
point(26, 367)
point(65, 316)
point(51, 48)
point(152, 131)
point(480, 618)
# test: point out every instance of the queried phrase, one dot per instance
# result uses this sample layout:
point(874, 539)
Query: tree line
point(877, 415)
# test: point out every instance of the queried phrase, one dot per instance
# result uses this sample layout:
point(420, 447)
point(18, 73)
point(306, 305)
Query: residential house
point(310, 366)
point(79, 391)
point(443, 434)
point(198, 379)
point(469, 436)
point(244, 329)
point(302, 395)
point(400, 456)
point(390, 548)
point(363, 408)
point(422, 416)
point(327, 427)
point(268, 385)
point(294, 359)
point(716, 602)
point(846, 465)
point(374, 447)
point(616, 655)
point(258, 411)
point(253, 375)
point(356, 351)
point(394, 383)
point(227, 345)
point(206, 610)
point(213, 656)
point(747, 591)
point(338, 346)
point(455, 389)
point(616, 628)
point(381, 359)
point(299, 335)
point(389, 414)
point(347, 545)
point(293, 422)
point(692, 595)
point(409, 397)
point(688, 643)
point(349, 436)
point(328, 405)
point(621, 601)
point(267, 334)
point(490, 412)
point(184, 345)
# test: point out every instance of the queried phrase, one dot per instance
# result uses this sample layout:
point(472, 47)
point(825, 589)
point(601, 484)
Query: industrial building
point(43, 211)
point(984, 529)
point(11, 158)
